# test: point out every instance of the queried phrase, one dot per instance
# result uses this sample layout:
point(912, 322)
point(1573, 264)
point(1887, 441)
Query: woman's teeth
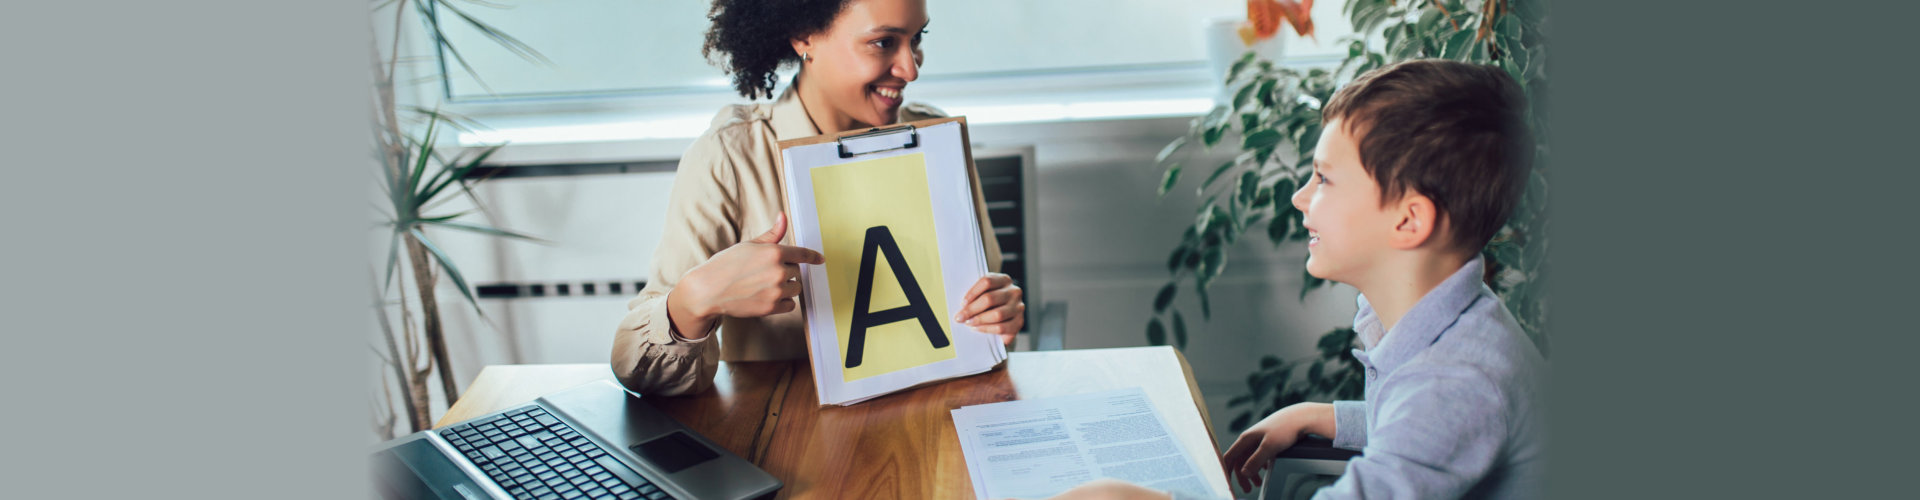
point(887, 92)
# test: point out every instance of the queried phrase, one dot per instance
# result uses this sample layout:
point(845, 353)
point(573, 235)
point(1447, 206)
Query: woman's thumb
point(779, 230)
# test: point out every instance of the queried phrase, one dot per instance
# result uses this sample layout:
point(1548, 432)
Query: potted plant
point(1273, 121)
point(416, 177)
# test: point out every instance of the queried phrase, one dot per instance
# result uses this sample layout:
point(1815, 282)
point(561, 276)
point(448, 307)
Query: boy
point(1418, 164)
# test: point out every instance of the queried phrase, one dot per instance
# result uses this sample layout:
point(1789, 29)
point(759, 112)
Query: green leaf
point(1249, 185)
point(1356, 49)
point(1217, 172)
point(1175, 259)
point(1269, 362)
point(1240, 65)
point(1266, 92)
point(1240, 98)
point(1179, 331)
point(1263, 197)
point(1261, 139)
point(1178, 142)
point(1213, 263)
point(1156, 334)
point(1206, 309)
point(1169, 179)
point(1280, 227)
point(1308, 281)
point(486, 230)
point(1164, 298)
point(1309, 139)
point(1211, 136)
point(1458, 46)
point(452, 270)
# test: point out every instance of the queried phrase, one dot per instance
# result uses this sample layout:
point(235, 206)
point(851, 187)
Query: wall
point(1104, 238)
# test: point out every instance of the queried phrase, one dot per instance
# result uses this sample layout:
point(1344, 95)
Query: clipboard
point(892, 209)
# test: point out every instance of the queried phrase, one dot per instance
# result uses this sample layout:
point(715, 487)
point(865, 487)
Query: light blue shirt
point(1453, 401)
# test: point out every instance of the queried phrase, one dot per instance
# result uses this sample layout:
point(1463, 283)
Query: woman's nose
point(906, 66)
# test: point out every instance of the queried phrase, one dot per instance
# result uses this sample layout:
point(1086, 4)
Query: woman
point(725, 261)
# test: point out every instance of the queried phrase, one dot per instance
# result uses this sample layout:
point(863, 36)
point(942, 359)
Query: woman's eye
point(883, 43)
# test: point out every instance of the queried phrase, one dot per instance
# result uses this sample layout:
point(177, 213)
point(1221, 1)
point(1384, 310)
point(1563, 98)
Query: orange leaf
point(1265, 15)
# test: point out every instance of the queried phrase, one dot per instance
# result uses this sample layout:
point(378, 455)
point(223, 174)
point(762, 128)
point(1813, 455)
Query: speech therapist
point(724, 281)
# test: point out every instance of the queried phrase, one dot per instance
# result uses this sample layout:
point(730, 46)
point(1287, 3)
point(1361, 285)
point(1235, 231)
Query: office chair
point(1311, 463)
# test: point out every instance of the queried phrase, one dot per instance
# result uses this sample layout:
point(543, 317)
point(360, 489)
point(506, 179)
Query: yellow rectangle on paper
point(862, 206)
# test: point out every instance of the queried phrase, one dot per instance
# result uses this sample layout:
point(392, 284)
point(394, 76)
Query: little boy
point(1418, 165)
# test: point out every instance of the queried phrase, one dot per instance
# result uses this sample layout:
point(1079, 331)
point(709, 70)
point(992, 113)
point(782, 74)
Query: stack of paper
point(894, 215)
point(1038, 448)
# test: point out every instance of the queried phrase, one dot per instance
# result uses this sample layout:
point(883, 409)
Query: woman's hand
point(1111, 489)
point(757, 277)
point(1260, 443)
point(994, 306)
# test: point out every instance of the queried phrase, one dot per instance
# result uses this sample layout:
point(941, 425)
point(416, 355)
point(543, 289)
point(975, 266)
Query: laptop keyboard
point(535, 456)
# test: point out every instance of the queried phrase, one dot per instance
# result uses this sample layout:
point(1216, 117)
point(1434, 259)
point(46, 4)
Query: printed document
point(1038, 448)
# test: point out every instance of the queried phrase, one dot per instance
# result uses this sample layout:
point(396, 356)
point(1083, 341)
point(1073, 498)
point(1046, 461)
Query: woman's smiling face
point(861, 64)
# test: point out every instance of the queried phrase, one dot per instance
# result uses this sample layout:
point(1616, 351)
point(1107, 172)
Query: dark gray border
point(1728, 300)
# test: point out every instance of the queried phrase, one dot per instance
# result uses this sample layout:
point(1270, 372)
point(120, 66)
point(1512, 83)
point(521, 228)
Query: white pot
point(1224, 47)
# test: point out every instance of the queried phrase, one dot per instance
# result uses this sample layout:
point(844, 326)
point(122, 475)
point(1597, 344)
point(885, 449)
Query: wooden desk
point(901, 445)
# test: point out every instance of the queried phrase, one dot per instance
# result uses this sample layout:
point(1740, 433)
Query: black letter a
point(916, 308)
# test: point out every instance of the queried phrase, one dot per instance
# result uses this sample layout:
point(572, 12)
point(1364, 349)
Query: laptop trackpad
point(674, 452)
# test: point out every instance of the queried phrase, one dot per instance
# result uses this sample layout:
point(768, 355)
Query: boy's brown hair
point(1452, 131)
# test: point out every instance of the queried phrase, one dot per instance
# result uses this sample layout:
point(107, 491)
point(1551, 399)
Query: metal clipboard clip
point(913, 140)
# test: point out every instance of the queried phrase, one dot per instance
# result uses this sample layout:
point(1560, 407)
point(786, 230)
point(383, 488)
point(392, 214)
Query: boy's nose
point(1300, 196)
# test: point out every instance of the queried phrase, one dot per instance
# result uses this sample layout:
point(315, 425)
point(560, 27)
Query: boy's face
point(1340, 207)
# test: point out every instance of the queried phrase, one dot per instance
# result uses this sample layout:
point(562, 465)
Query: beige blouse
point(728, 188)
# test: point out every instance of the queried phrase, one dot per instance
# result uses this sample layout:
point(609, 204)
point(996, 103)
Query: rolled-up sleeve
point(1439, 432)
point(647, 356)
point(1350, 424)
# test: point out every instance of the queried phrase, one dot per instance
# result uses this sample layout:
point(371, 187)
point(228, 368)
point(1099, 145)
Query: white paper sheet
point(1040, 447)
point(962, 257)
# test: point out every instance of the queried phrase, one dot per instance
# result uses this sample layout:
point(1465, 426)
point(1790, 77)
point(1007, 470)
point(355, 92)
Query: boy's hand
point(1256, 447)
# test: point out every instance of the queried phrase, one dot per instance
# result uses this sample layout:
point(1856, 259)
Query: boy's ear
point(1419, 222)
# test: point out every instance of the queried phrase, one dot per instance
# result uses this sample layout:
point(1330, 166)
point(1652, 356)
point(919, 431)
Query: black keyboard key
point(626, 474)
point(629, 495)
point(493, 452)
point(571, 495)
point(595, 491)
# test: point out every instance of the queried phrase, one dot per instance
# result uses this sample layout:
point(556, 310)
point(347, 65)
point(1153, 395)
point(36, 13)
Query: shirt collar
point(1422, 325)
point(788, 117)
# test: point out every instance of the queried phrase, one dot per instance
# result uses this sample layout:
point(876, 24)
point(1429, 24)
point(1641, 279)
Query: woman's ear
point(1419, 222)
point(803, 49)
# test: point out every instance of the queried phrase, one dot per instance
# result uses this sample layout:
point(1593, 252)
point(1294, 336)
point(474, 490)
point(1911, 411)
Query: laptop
point(591, 441)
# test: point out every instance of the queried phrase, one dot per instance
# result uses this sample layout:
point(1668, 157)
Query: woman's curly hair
point(754, 37)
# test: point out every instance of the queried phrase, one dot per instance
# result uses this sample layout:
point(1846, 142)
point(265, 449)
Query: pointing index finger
point(800, 255)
